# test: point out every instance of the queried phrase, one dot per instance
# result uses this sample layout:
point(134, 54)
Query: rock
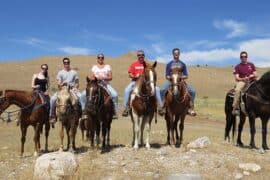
point(238, 176)
point(249, 167)
point(192, 150)
point(199, 143)
point(162, 152)
point(56, 165)
point(246, 173)
point(184, 177)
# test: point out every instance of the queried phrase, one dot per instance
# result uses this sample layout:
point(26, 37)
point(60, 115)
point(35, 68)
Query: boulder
point(250, 167)
point(56, 165)
point(199, 143)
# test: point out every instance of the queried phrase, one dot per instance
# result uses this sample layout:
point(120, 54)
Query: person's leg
point(192, 93)
point(83, 99)
point(239, 86)
point(164, 89)
point(114, 96)
point(52, 105)
point(159, 101)
point(127, 92)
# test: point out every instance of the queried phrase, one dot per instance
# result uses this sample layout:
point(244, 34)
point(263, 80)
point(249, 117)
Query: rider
point(176, 62)
point(66, 76)
point(40, 83)
point(135, 70)
point(103, 73)
point(244, 72)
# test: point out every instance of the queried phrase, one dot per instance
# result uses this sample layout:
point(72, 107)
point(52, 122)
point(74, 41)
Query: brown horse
point(177, 103)
point(99, 108)
point(143, 104)
point(33, 112)
point(68, 116)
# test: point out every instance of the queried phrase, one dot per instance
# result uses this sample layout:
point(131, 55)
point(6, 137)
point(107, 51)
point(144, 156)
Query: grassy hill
point(211, 82)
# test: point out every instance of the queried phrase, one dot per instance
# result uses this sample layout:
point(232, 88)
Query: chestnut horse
point(177, 103)
point(256, 100)
point(143, 104)
point(68, 115)
point(99, 109)
point(33, 112)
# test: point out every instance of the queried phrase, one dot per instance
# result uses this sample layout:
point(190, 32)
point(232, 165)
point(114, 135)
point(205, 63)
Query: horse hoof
point(61, 149)
point(147, 146)
point(35, 154)
point(240, 144)
point(265, 147)
point(252, 146)
point(136, 147)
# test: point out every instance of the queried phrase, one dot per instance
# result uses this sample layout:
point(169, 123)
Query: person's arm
point(91, 74)
point(185, 72)
point(33, 82)
point(76, 84)
point(48, 86)
point(109, 76)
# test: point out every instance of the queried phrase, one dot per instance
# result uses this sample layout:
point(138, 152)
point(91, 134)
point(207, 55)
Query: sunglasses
point(243, 57)
point(100, 57)
point(66, 62)
point(140, 55)
point(44, 68)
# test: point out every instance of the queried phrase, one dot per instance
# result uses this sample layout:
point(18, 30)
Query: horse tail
point(234, 127)
point(156, 117)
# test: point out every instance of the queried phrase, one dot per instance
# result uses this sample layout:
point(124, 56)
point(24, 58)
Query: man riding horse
point(134, 72)
point(177, 63)
point(244, 72)
point(66, 76)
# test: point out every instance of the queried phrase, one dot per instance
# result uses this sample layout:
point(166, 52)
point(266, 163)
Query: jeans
point(112, 92)
point(130, 87)
point(54, 98)
point(191, 90)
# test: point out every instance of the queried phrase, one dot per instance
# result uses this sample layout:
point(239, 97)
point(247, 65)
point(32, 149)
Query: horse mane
point(265, 79)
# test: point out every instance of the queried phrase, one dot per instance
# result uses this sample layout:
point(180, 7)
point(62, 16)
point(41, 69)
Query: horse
point(33, 112)
point(99, 108)
point(256, 99)
point(143, 104)
point(68, 115)
point(177, 103)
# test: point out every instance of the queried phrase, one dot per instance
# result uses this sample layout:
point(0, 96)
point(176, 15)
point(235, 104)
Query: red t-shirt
point(136, 68)
point(244, 70)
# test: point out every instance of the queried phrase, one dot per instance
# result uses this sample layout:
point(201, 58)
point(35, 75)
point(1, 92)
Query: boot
point(126, 111)
point(161, 110)
point(235, 112)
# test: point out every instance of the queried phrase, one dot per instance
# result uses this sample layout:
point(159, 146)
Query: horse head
point(264, 81)
point(4, 102)
point(176, 80)
point(92, 95)
point(64, 101)
point(149, 78)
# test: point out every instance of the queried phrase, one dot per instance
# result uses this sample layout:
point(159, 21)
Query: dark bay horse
point(68, 116)
point(143, 104)
point(257, 104)
point(33, 112)
point(99, 109)
point(177, 103)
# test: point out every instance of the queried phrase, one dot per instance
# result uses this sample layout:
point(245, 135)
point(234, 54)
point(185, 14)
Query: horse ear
point(88, 79)
point(155, 64)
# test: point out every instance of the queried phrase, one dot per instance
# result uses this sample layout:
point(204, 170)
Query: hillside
point(212, 82)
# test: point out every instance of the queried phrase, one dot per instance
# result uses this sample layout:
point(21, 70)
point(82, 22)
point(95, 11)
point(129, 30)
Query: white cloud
point(258, 50)
point(75, 50)
point(236, 28)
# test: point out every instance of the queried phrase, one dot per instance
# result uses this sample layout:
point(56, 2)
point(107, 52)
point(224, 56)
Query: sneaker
point(125, 112)
point(191, 112)
point(236, 112)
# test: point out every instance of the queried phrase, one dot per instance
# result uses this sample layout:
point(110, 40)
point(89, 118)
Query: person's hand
point(37, 86)
point(46, 93)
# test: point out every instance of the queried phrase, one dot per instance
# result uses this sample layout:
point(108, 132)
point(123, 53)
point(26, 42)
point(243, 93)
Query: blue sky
point(207, 32)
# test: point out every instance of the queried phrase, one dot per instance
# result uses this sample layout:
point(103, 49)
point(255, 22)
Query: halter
point(181, 100)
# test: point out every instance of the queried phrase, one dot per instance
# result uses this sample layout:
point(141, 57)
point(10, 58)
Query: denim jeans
point(112, 92)
point(191, 90)
point(130, 87)
point(54, 98)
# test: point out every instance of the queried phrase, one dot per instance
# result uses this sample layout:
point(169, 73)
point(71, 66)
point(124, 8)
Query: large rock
point(56, 165)
point(199, 143)
point(250, 167)
point(181, 176)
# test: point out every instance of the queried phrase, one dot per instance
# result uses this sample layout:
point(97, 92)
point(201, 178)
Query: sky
point(207, 31)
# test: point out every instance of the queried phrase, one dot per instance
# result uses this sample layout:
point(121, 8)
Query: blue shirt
point(176, 64)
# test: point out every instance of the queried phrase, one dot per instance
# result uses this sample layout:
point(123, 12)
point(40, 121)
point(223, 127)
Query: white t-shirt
point(101, 72)
point(67, 76)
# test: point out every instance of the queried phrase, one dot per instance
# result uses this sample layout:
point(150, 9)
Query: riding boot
point(126, 111)
point(53, 118)
point(161, 110)
point(191, 111)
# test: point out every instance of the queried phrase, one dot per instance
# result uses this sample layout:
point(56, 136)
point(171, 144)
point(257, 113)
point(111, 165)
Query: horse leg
point(68, 133)
point(24, 131)
point(98, 133)
point(181, 127)
point(47, 129)
point(148, 129)
point(137, 130)
point(177, 144)
point(172, 130)
point(36, 139)
point(228, 127)
point(168, 130)
point(252, 131)
point(264, 133)
point(108, 134)
point(104, 131)
point(73, 135)
point(240, 128)
point(142, 126)
point(61, 135)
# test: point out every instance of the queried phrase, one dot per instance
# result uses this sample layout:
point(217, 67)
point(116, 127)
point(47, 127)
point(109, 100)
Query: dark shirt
point(244, 70)
point(176, 64)
point(42, 84)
